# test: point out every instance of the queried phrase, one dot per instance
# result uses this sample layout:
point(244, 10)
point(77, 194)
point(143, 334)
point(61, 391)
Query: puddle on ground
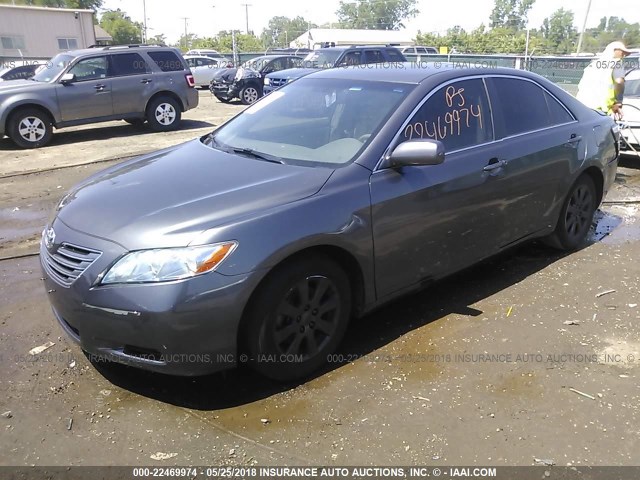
point(617, 225)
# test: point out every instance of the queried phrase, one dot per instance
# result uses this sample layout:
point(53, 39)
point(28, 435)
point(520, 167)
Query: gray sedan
point(257, 243)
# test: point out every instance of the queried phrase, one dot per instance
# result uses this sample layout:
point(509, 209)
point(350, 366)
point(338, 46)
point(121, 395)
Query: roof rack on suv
point(112, 47)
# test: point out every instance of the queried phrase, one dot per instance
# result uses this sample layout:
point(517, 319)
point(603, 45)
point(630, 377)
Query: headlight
point(239, 74)
point(267, 81)
point(164, 264)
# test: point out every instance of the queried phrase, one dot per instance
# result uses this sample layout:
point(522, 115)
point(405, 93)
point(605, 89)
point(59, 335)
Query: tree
point(559, 32)
point(223, 42)
point(510, 14)
point(80, 4)
point(157, 40)
point(123, 30)
point(376, 14)
point(282, 30)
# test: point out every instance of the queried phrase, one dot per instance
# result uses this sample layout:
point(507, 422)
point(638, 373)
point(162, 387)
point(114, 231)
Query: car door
point(432, 220)
point(540, 145)
point(203, 70)
point(132, 83)
point(89, 95)
point(374, 56)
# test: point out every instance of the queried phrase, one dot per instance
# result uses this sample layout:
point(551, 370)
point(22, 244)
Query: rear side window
point(395, 56)
point(521, 106)
point(374, 56)
point(167, 61)
point(458, 115)
point(128, 64)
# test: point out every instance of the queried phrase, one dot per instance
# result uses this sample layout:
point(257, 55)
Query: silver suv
point(135, 83)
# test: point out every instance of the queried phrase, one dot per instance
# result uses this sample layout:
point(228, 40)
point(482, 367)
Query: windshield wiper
point(210, 140)
point(255, 154)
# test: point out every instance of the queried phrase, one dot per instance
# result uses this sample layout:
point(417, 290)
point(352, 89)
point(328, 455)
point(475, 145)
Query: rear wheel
point(30, 128)
point(297, 318)
point(576, 215)
point(163, 114)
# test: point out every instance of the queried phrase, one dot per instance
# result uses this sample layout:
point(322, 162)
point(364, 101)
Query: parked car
point(343, 190)
point(419, 50)
point(205, 68)
point(203, 52)
point(333, 57)
point(132, 83)
point(245, 82)
point(631, 109)
point(19, 72)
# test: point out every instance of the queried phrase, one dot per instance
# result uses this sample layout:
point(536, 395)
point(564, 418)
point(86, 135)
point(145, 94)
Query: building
point(40, 33)
point(317, 37)
point(102, 37)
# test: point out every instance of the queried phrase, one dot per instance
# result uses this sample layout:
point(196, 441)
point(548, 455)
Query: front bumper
point(227, 91)
point(186, 327)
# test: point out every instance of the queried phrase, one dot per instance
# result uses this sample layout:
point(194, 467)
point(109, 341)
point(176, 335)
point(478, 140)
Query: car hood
point(225, 74)
point(11, 86)
point(292, 73)
point(165, 199)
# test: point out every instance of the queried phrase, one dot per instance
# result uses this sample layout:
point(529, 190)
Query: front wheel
point(249, 94)
point(576, 215)
point(163, 114)
point(297, 318)
point(30, 128)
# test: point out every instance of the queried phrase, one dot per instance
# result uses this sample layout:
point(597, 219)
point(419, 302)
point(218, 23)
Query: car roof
point(116, 49)
point(271, 57)
point(341, 48)
point(411, 72)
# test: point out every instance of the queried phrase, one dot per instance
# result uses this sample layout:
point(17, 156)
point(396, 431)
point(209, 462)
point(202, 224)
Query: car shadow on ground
point(68, 137)
point(454, 295)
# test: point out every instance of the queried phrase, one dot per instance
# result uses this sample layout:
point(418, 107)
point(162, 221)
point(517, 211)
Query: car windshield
point(321, 59)
point(315, 122)
point(52, 68)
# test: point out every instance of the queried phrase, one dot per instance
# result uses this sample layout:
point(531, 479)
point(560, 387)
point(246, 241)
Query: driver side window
point(458, 115)
point(93, 68)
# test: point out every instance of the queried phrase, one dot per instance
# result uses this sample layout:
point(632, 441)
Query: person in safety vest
point(602, 83)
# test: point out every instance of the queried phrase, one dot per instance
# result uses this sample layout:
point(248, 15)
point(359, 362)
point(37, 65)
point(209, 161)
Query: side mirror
point(415, 152)
point(67, 78)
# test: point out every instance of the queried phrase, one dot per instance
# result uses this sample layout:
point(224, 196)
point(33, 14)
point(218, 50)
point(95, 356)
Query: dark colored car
point(246, 82)
point(19, 72)
point(257, 243)
point(333, 57)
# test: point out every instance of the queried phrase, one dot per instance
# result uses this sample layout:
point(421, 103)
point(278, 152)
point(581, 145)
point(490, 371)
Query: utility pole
point(246, 12)
point(144, 12)
point(584, 26)
point(186, 39)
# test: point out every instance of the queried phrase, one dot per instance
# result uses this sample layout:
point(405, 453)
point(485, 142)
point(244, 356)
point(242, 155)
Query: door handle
point(494, 164)
point(146, 80)
point(99, 87)
point(573, 140)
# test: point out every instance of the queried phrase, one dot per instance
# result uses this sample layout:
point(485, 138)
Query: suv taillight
point(190, 81)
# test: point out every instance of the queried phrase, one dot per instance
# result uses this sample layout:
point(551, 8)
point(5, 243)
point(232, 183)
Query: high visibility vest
point(597, 87)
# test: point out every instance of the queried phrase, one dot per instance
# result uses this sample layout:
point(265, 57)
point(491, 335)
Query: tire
point(285, 334)
point(135, 121)
point(163, 114)
point(30, 128)
point(249, 94)
point(576, 216)
point(223, 100)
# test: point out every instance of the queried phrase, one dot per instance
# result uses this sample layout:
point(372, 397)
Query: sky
point(207, 17)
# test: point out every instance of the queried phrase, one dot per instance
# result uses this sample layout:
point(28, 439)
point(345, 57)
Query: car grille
point(68, 262)
point(277, 82)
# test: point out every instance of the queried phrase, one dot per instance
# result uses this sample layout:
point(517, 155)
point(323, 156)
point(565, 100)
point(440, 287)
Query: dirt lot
point(533, 355)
